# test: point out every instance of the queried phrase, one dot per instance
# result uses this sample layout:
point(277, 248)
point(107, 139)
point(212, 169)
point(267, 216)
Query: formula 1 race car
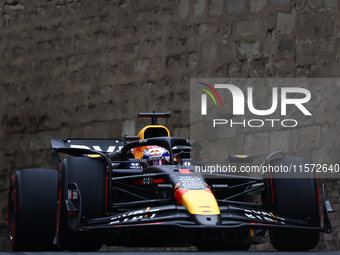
point(145, 191)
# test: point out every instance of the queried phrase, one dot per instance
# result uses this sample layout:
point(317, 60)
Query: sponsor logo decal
point(134, 216)
point(135, 165)
point(264, 216)
point(97, 148)
point(72, 194)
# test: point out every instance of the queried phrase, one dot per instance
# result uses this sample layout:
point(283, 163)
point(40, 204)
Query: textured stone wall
point(85, 68)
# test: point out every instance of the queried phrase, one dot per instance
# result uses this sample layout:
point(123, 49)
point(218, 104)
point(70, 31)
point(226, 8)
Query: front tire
point(90, 176)
point(32, 209)
point(297, 199)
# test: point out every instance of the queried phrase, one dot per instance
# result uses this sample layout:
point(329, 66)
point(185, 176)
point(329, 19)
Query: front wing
point(172, 216)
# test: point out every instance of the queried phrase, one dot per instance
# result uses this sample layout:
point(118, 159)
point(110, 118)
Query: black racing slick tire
point(32, 209)
point(295, 198)
point(90, 176)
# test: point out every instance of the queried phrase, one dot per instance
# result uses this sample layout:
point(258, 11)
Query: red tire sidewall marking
point(271, 187)
point(58, 203)
point(317, 185)
point(11, 189)
point(106, 194)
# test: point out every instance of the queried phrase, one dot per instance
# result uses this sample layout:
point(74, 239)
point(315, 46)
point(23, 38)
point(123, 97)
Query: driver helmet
point(155, 155)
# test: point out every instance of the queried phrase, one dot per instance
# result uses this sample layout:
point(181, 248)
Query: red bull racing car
point(144, 190)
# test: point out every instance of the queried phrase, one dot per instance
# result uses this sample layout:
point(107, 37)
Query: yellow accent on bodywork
point(94, 155)
point(142, 131)
point(273, 216)
point(200, 202)
point(251, 232)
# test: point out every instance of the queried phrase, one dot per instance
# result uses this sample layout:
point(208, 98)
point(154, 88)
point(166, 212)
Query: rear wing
point(101, 145)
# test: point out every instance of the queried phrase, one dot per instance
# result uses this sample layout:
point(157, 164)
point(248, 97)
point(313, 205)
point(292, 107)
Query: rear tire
point(297, 199)
point(32, 209)
point(90, 176)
